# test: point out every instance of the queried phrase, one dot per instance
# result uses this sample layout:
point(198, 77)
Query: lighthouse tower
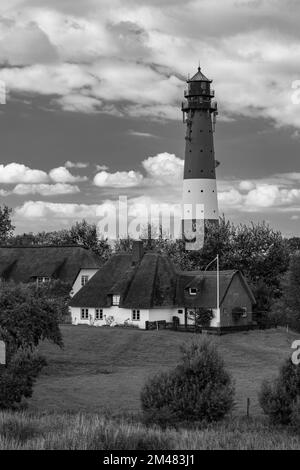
point(200, 204)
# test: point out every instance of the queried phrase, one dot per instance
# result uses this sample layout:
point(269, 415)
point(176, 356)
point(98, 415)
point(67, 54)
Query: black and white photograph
point(149, 229)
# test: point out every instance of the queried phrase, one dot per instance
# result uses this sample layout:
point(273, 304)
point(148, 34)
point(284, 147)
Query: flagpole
point(218, 283)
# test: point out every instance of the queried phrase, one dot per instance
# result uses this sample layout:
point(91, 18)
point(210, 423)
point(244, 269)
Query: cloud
point(14, 173)
point(141, 134)
point(45, 189)
point(62, 175)
point(120, 179)
point(4, 193)
point(101, 167)
point(42, 209)
point(69, 164)
point(132, 59)
point(164, 168)
point(24, 44)
point(19, 173)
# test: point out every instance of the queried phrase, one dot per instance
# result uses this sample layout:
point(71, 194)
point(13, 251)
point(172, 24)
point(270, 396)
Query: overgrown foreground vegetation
point(24, 430)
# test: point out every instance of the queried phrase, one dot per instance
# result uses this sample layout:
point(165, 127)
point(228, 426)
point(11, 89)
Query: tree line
point(269, 261)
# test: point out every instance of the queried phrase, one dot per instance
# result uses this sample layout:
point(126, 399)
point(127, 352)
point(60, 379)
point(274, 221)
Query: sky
point(93, 106)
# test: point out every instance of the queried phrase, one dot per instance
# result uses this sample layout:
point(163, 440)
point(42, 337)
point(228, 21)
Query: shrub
point(17, 380)
point(279, 399)
point(198, 389)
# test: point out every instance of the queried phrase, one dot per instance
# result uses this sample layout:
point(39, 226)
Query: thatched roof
point(206, 284)
point(24, 263)
point(149, 283)
point(152, 282)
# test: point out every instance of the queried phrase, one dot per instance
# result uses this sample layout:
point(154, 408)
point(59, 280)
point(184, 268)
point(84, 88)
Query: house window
point(84, 280)
point(192, 291)
point(180, 311)
point(244, 312)
point(115, 299)
point(42, 280)
point(99, 314)
point(136, 315)
point(84, 314)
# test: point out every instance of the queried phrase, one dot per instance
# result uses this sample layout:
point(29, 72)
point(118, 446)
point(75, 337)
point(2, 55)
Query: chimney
point(137, 251)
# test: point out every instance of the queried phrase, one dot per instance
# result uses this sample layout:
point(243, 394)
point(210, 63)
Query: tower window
point(189, 190)
point(201, 150)
point(201, 190)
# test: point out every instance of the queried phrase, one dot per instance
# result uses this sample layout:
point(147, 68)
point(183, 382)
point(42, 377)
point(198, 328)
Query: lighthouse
point(200, 203)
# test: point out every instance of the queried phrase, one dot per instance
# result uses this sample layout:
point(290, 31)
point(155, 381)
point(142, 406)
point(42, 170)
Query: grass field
point(26, 430)
point(105, 368)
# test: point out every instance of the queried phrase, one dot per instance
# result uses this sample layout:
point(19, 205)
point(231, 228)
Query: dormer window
point(192, 291)
point(115, 300)
point(42, 280)
point(84, 279)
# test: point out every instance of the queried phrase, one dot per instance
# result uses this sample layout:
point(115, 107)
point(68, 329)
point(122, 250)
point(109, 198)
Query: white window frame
point(40, 280)
point(84, 279)
point(84, 313)
point(136, 315)
point(116, 300)
point(192, 291)
point(245, 313)
point(98, 313)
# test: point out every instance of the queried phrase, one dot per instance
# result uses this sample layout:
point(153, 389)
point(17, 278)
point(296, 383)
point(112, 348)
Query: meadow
point(104, 369)
point(88, 395)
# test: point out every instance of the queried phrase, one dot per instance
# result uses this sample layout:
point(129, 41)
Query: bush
point(198, 389)
point(279, 399)
point(17, 380)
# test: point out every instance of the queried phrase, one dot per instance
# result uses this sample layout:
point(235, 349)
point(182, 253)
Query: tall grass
point(24, 430)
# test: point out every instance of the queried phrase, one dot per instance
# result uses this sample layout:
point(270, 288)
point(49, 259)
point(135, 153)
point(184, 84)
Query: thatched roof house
point(150, 285)
point(39, 262)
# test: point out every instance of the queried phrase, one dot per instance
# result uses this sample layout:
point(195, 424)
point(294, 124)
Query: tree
point(198, 389)
point(286, 310)
point(279, 399)
point(6, 227)
point(81, 233)
point(27, 316)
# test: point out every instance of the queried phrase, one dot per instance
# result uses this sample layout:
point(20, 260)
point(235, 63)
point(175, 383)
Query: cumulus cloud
point(120, 179)
point(62, 175)
point(45, 189)
point(164, 167)
point(19, 173)
point(43, 209)
point(14, 173)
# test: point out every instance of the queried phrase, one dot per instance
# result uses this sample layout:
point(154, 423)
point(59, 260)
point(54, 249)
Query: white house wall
point(77, 283)
point(167, 314)
point(118, 316)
